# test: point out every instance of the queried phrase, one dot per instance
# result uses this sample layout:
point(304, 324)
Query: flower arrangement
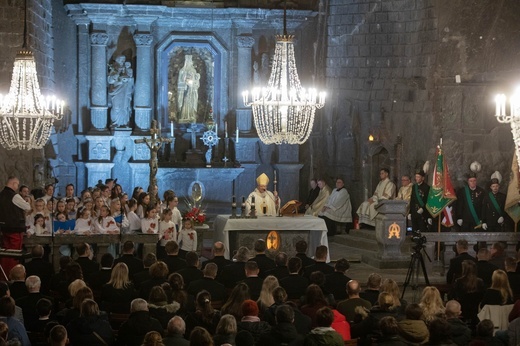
point(196, 215)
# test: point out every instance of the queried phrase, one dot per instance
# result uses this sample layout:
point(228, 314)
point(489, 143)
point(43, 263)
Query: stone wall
point(391, 72)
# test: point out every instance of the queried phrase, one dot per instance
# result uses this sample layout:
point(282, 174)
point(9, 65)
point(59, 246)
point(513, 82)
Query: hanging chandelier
point(283, 112)
point(26, 116)
point(512, 118)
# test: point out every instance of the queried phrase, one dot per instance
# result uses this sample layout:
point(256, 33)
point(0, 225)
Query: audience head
point(75, 286)
point(462, 246)
point(107, 260)
point(64, 261)
point(192, 259)
point(353, 288)
point(73, 272)
point(317, 278)
point(219, 249)
point(157, 295)
point(440, 331)
point(204, 302)
point(227, 325)
point(413, 312)
point(210, 270)
point(294, 265)
point(7, 306)
point(279, 295)
point(138, 304)
point(4, 289)
point(176, 281)
point(37, 251)
point(200, 337)
point(483, 254)
point(500, 282)
point(385, 301)
point(324, 317)
point(242, 254)
point(176, 326)
point(453, 309)
point(498, 248)
point(388, 326)
point(83, 249)
point(251, 268)
point(485, 328)
point(301, 246)
point(321, 253)
point(58, 336)
point(281, 259)
point(260, 246)
point(510, 264)
point(128, 247)
point(152, 338)
point(249, 308)
point(284, 314)
point(342, 265)
point(374, 281)
point(33, 284)
point(171, 247)
point(17, 273)
point(390, 286)
point(89, 308)
point(314, 295)
point(82, 294)
point(44, 307)
point(149, 259)
point(159, 270)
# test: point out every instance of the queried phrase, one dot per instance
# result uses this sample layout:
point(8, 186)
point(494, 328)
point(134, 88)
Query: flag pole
point(439, 221)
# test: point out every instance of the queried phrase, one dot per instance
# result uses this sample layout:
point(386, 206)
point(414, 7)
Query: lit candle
point(497, 102)
point(275, 175)
point(237, 134)
point(171, 128)
point(225, 128)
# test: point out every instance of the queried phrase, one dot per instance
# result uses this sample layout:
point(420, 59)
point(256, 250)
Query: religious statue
point(188, 92)
point(120, 90)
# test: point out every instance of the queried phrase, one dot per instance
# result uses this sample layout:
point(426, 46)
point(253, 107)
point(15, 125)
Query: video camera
point(418, 239)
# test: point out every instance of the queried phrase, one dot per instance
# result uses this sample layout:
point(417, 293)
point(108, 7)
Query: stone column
point(143, 83)
point(244, 115)
point(99, 106)
point(83, 76)
point(288, 181)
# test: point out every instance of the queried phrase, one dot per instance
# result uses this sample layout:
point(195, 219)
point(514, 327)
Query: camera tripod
point(416, 262)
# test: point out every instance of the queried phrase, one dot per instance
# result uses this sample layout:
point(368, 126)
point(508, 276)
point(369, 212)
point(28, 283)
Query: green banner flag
point(441, 193)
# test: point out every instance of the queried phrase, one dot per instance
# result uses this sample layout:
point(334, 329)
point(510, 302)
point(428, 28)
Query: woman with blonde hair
point(266, 294)
point(226, 330)
point(431, 303)
point(390, 286)
point(500, 292)
point(153, 338)
point(117, 294)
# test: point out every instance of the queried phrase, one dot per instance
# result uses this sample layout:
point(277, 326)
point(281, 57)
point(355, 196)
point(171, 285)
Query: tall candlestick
point(171, 128)
point(225, 128)
point(237, 134)
point(275, 175)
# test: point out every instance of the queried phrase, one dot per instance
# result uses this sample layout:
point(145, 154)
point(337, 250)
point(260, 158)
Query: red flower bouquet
point(196, 215)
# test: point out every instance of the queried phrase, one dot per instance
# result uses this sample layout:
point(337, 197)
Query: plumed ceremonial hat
point(496, 178)
point(262, 179)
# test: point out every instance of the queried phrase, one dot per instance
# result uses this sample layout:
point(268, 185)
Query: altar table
point(224, 228)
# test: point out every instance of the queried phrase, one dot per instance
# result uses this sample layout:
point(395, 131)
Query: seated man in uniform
point(384, 190)
point(266, 202)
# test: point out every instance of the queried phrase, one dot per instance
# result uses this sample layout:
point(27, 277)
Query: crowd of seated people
point(170, 298)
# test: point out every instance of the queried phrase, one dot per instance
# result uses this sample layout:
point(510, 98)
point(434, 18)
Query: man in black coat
point(191, 272)
point(301, 253)
point(88, 266)
point(485, 268)
point(144, 275)
point(176, 330)
point(264, 263)
point(336, 282)
point(418, 213)
point(469, 205)
point(284, 332)
point(252, 280)
point(134, 264)
point(132, 332)
point(218, 257)
point(97, 280)
point(172, 259)
point(320, 264)
point(17, 282)
point(294, 284)
point(235, 272)
point(280, 271)
point(455, 269)
point(38, 266)
point(28, 303)
point(208, 283)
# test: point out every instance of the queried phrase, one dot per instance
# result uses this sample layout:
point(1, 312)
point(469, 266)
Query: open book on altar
point(291, 208)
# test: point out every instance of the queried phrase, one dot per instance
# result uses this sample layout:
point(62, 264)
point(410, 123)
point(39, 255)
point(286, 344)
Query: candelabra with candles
point(513, 118)
point(234, 209)
point(243, 208)
point(252, 213)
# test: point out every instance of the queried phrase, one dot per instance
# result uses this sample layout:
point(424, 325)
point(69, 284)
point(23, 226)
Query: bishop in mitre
point(384, 190)
point(266, 202)
point(320, 201)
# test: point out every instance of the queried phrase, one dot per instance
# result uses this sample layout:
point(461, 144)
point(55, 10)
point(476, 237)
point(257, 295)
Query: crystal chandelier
point(27, 117)
point(284, 111)
point(513, 118)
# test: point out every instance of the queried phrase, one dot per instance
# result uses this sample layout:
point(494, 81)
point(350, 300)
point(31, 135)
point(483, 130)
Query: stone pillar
point(244, 115)
point(288, 181)
point(143, 83)
point(391, 229)
point(99, 106)
point(83, 76)
point(98, 171)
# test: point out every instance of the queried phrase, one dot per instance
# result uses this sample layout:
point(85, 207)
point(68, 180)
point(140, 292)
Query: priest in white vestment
point(337, 208)
point(405, 192)
point(384, 190)
point(320, 201)
point(266, 202)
